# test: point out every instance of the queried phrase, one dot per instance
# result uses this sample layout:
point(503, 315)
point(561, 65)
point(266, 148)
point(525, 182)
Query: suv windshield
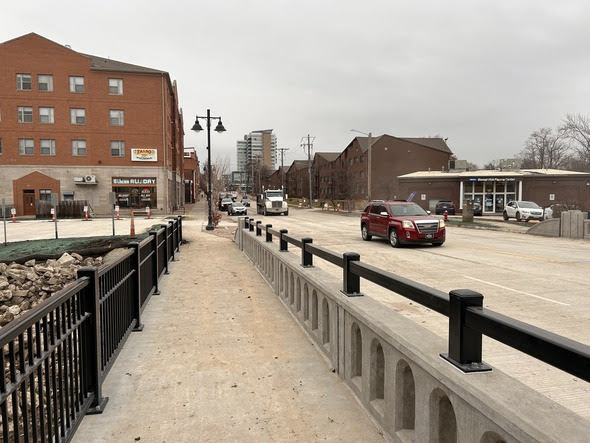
point(531, 205)
point(401, 210)
point(274, 194)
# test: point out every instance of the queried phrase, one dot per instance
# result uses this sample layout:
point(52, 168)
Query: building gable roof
point(106, 64)
point(436, 143)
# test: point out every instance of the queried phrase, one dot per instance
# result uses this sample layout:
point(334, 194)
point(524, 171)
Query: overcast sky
point(485, 74)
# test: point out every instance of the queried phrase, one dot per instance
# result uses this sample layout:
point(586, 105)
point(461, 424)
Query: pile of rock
point(24, 286)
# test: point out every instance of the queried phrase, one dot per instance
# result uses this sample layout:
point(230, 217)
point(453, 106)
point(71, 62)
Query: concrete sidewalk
point(220, 359)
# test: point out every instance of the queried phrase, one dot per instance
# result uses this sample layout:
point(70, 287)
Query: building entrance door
point(28, 202)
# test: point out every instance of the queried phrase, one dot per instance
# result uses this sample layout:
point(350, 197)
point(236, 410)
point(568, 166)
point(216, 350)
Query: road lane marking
point(515, 290)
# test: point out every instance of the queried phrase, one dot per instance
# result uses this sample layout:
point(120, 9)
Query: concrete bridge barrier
point(393, 365)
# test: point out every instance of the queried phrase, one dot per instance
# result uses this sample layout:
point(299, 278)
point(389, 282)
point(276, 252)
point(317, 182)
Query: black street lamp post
point(219, 128)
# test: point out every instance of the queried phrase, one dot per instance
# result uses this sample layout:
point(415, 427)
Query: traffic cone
point(13, 217)
point(147, 209)
point(118, 215)
point(132, 226)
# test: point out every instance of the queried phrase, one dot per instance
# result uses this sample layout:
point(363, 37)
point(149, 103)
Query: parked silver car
point(522, 210)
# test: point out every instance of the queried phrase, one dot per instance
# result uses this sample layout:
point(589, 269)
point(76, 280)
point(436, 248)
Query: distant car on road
point(237, 208)
point(522, 210)
point(401, 222)
point(445, 205)
point(224, 203)
point(245, 200)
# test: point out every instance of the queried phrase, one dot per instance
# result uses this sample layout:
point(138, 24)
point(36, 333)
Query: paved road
point(539, 280)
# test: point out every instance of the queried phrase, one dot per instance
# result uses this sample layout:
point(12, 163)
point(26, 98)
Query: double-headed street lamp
point(370, 143)
point(219, 128)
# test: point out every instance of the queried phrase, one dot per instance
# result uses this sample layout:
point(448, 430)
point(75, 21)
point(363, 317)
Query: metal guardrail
point(56, 356)
point(468, 319)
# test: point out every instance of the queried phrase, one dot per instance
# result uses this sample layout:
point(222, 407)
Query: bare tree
point(576, 127)
point(545, 149)
point(493, 164)
point(345, 185)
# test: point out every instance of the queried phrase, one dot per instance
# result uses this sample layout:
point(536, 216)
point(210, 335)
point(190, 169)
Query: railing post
point(166, 245)
point(306, 257)
point(172, 246)
point(284, 246)
point(92, 345)
point(258, 230)
point(136, 264)
point(268, 234)
point(351, 283)
point(155, 276)
point(251, 225)
point(464, 342)
point(179, 230)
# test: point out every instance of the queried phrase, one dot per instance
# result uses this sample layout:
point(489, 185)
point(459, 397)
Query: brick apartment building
point(84, 126)
point(192, 176)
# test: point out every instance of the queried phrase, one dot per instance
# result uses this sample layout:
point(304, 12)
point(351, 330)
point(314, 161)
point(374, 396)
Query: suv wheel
point(505, 216)
point(394, 239)
point(365, 233)
point(518, 217)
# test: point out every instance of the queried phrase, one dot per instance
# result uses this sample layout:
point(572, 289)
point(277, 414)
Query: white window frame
point(77, 147)
point(76, 84)
point(117, 117)
point(46, 115)
point(21, 82)
point(78, 116)
point(23, 112)
point(49, 145)
point(45, 79)
point(117, 146)
point(25, 144)
point(115, 86)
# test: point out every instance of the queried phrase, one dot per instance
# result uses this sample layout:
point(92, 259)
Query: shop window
point(77, 84)
point(46, 115)
point(115, 86)
point(45, 82)
point(26, 146)
point(25, 114)
point(78, 116)
point(116, 117)
point(45, 195)
point(48, 147)
point(117, 148)
point(79, 148)
point(68, 195)
point(24, 82)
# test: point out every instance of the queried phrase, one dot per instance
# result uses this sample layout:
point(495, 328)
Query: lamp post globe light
point(219, 128)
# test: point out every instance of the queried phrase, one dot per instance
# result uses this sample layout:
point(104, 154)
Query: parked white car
point(522, 210)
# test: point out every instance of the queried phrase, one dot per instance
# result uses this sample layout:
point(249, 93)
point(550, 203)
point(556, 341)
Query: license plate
point(429, 235)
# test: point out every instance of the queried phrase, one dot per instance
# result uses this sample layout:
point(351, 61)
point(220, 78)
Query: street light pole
point(197, 127)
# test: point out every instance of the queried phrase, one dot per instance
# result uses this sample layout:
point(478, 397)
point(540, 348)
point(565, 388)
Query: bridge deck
point(220, 359)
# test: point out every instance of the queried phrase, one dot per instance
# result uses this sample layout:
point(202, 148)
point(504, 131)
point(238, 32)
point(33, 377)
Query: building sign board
point(133, 181)
point(144, 155)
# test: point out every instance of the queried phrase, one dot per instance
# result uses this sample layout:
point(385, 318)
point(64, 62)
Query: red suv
point(401, 222)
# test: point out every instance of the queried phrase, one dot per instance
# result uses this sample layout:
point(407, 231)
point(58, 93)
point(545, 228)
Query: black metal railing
point(56, 356)
point(468, 319)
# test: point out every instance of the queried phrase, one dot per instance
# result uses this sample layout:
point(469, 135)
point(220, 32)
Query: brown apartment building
point(84, 126)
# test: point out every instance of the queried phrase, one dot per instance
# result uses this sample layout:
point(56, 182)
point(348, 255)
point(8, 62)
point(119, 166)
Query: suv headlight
point(407, 224)
point(441, 224)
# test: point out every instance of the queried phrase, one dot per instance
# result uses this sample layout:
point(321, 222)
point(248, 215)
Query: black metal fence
point(468, 319)
point(56, 356)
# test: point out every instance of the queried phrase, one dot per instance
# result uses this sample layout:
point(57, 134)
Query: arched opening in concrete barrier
point(314, 310)
point(405, 399)
point(325, 322)
point(281, 279)
point(305, 302)
point(491, 437)
point(377, 379)
point(356, 355)
point(289, 294)
point(443, 423)
point(298, 295)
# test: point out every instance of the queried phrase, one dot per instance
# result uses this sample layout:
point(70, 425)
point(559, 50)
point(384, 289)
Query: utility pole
point(309, 148)
point(282, 168)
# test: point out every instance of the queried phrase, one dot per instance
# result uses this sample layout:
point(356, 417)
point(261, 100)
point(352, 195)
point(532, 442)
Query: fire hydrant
point(446, 215)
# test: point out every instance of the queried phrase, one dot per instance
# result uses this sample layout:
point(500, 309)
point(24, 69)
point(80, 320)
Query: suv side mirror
point(428, 212)
point(383, 213)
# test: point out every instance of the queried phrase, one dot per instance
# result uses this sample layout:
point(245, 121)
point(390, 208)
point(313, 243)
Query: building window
point(115, 86)
point(26, 146)
point(45, 195)
point(68, 195)
point(25, 114)
point(77, 84)
point(117, 148)
point(45, 82)
point(79, 148)
point(116, 117)
point(46, 115)
point(24, 82)
point(48, 147)
point(0, 146)
point(78, 116)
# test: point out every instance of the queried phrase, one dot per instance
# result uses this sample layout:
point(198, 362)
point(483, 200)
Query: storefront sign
point(134, 181)
point(491, 179)
point(144, 155)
